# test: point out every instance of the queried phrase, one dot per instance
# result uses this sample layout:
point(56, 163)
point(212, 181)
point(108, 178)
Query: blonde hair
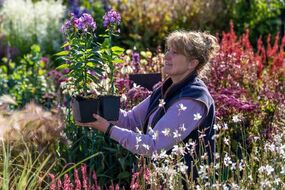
point(201, 46)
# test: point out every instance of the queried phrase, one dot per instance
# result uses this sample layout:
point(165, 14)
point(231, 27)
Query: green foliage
point(81, 59)
point(260, 16)
point(110, 55)
point(26, 80)
point(23, 169)
point(114, 162)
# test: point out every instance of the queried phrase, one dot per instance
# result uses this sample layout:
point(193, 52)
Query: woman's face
point(176, 65)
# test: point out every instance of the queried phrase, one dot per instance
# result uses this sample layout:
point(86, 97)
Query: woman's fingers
point(84, 124)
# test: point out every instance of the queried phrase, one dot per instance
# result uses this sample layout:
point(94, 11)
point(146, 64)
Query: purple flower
point(65, 26)
point(110, 18)
point(136, 58)
point(85, 22)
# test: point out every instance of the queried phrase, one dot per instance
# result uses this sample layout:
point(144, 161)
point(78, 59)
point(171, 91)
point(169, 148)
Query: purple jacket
point(180, 119)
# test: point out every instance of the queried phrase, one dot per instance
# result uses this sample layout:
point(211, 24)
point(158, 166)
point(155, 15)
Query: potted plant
point(90, 68)
point(109, 56)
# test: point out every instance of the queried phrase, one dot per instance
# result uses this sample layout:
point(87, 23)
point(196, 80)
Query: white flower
point(155, 156)
point(233, 167)
point(137, 146)
point(202, 135)
point(166, 132)
point(235, 186)
point(146, 146)
point(182, 128)
point(216, 185)
point(176, 134)
point(217, 127)
point(204, 156)
point(178, 150)
point(155, 135)
point(215, 137)
point(227, 160)
point(181, 107)
point(217, 166)
point(182, 167)
point(150, 129)
point(161, 102)
point(225, 126)
point(163, 154)
point(269, 169)
point(277, 181)
point(226, 141)
point(225, 187)
point(138, 130)
point(236, 119)
point(124, 98)
point(241, 165)
point(197, 116)
point(138, 139)
point(217, 155)
point(265, 183)
point(125, 114)
point(250, 177)
point(203, 172)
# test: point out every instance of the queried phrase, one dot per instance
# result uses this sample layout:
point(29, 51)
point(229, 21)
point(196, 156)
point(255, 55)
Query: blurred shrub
point(27, 80)
point(260, 16)
point(146, 23)
point(25, 23)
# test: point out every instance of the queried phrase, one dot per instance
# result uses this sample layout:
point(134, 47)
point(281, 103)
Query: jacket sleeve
point(177, 123)
point(134, 118)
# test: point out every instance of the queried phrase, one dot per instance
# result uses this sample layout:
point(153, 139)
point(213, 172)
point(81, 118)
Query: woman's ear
point(193, 64)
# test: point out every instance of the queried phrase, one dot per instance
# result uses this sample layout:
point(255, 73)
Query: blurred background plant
point(25, 23)
point(261, 17)
point(29, 140)
point(146, 23)
point(28, 80)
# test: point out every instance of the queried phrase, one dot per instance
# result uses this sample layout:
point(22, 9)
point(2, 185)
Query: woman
point(176, 110)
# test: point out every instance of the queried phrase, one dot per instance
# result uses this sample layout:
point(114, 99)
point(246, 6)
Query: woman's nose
point(167, 55)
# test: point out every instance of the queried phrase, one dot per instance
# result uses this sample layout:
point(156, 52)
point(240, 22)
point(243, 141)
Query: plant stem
point(85, 71)
point(111, 75)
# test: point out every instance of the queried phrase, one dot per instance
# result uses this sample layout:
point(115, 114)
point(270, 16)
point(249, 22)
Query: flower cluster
point(111, 18)
point(84, 23)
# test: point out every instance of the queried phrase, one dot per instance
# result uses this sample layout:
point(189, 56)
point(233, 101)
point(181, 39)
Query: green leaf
point(36, 48)
point(103, 35)
point(124, 175)
point(66, 44)
point(62, 53)
point(63, 66)
point(117, 49)
point(110, 149)
point(118, 61)
point(90, 64)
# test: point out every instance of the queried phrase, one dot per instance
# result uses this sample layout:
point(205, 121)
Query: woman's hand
point(101, 124)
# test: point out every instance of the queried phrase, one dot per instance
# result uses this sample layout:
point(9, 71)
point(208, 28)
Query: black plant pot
point(83, 109)
point(109, 107)
point(147, 80)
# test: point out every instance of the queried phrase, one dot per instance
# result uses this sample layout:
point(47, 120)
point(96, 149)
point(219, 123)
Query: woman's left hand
point(101, 124)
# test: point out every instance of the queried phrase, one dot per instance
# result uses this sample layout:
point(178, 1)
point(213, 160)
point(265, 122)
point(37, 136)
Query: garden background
point(42, 148)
